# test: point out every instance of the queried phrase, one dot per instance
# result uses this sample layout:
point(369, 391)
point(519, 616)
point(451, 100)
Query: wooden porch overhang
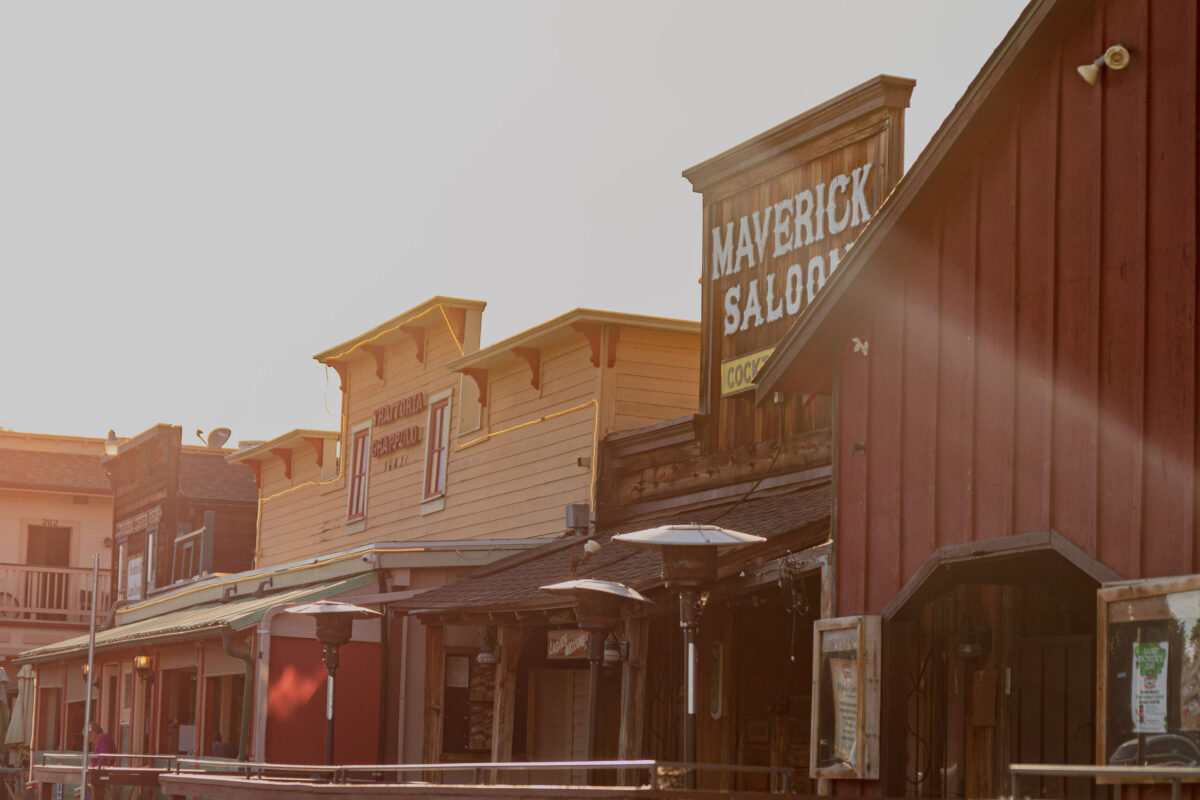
point(1036, 558)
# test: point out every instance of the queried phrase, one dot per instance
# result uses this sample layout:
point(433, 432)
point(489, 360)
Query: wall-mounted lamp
point(614, 652)
point(1115, 57)
point(111, 444)
point(85, 670)
point(141, 663)
point(489, 650)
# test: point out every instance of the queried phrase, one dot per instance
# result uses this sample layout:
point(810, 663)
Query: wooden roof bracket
point(256, 467)
point(458, 322)
point(341, 369)
point(319, 446)
point(590, 331)
point(614, 333)
point(285, 455)
point(377, 352)
point(480, 377)
point(417, 334)
point(533, 357)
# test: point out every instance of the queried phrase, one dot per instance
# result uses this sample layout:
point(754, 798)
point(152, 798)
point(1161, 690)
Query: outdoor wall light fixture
point(141, 663)
point(111, 444)
point(614, 652)
point(489, 650)
point(86, 670)
point(1115, 57)
point(689, 560)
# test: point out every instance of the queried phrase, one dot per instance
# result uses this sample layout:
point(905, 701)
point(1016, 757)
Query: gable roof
point(53, 472)
point(513, 584)
point(1041, 21)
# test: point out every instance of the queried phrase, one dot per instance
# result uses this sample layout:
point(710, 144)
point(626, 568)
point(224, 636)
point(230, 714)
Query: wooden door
point(557, 727)
point(1052, 708)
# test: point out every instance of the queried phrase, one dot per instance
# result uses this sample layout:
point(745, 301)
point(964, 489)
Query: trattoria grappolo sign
point(782, 211)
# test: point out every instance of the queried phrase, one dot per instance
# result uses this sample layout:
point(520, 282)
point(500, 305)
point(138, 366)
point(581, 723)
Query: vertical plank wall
point(1033, 342)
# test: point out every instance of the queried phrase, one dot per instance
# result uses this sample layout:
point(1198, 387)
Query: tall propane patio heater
point(598, 606)
point(689, 561)
point(334, 622)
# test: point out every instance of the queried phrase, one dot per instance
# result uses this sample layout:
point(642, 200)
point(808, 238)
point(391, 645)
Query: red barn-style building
point(1012, 352)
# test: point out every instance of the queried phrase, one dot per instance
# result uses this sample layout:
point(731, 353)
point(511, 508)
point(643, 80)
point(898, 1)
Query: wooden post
point(510, 638)
point(633, 698)
point(435, 678)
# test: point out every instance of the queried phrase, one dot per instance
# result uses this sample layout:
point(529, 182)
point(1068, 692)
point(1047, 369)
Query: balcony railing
point(50, 594)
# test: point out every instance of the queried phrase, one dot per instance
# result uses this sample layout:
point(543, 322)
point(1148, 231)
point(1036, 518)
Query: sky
point(197, 197)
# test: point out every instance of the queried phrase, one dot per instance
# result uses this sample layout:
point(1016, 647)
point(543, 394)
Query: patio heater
point(598, 606)
point(334, 621)
point(689, 561)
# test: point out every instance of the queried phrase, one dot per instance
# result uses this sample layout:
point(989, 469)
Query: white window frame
point(354, 524)
point(431, 502)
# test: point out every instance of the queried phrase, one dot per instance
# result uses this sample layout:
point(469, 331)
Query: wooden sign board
point(568, 643)
point(781, 212)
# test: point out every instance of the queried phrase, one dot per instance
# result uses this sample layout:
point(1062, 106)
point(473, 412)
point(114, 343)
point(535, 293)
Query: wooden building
point(180, 512)
point(1012, 352)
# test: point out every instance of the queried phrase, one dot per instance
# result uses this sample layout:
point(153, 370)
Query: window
point(436, 446)
point(360, 461)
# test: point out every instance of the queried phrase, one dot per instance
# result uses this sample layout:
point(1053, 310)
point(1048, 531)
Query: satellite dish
point(217, 437)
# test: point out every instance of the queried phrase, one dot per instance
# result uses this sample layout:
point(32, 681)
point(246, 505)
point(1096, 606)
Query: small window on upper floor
point(360, 461)
point(437, 444)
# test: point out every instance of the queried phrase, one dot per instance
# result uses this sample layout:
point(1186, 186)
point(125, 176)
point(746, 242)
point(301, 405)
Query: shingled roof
point(512, 584)
point(208, 476)
point(53, 472)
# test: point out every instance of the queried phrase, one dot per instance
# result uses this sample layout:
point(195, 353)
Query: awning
point(191, 623)
point(1042, 558)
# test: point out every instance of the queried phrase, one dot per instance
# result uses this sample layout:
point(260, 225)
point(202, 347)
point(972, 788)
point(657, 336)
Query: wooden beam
point(480, 376)
point(510, 638)
point(533, 357)
point(435, 678)
point(341, 369)
point(458, 322)
point(318, 444)
point(633, 697)
point(285, 455)
point(718, 469)
point(591, 332)
point(417, 334)
point(377, 352)
point(614, 334)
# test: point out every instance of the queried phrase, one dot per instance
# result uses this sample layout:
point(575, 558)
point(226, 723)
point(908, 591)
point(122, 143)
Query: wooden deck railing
point(49, 594)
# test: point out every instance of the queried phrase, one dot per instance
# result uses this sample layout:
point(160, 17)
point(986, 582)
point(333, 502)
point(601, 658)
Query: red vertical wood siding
point(1033, 350)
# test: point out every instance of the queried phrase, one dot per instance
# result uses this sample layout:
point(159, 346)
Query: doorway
point(47, 590)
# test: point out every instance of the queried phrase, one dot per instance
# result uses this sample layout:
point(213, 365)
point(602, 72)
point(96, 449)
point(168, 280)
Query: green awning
point(192, 623)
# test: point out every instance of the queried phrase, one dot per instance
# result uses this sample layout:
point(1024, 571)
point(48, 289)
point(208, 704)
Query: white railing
point(50, 594)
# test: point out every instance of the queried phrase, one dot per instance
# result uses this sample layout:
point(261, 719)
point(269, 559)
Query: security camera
point(370, 558)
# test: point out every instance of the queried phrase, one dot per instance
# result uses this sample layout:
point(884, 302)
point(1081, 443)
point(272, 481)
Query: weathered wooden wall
point(1033, 342)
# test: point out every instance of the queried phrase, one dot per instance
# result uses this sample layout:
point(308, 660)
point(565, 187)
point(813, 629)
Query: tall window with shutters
point(437, 444)
point(360, 460)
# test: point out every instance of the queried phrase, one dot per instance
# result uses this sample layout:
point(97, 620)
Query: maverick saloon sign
point(782, 211)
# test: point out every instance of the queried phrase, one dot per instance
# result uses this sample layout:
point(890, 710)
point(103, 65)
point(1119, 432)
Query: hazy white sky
point(196, 197)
